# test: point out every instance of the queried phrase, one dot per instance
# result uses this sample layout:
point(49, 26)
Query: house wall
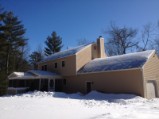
point(128, 81)
point(83, 57)
point(151, 72)
point(68, 69)
point(95, 50)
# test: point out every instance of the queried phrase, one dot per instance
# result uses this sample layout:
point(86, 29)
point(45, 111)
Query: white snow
point(127, 61)
point(32, 74)
point(64, 53)
point(95, 105)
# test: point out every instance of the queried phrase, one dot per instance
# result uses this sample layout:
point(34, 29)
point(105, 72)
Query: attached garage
point(151, 89)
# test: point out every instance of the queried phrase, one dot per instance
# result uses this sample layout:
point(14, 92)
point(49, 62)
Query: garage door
point(151, 89)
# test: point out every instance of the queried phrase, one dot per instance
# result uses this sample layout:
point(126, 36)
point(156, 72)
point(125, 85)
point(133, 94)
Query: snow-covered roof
point(63, 54)
point(33, 74)
point(120, 62)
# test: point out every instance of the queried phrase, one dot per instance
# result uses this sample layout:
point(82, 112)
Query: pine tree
point(14, 35)
point(3, 44)
point(53, 44)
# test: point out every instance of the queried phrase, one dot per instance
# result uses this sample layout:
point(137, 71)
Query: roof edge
point(110, 71)
point(153, 52)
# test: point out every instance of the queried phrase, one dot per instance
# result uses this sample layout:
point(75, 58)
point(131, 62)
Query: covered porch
point(34, 80)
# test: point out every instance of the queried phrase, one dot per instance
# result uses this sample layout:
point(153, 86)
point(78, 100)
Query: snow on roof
point(65, 53)
point(33, 74)
point(43, 73)
point(127, 61)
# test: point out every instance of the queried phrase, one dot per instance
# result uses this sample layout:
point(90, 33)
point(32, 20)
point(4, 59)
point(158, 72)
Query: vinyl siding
point(68, 69)
point(128, 81)
point(151, 68)
point(83, 57)
point(151, 72)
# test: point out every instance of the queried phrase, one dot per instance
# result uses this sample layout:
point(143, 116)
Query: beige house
point(87, 68)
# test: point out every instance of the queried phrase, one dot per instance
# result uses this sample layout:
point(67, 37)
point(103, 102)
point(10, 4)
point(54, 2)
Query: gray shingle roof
point(63, 54)
point(127, 61)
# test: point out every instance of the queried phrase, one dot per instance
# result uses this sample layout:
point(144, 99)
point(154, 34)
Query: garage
point(151, 89)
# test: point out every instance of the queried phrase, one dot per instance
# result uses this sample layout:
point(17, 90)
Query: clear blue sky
point(78, 19)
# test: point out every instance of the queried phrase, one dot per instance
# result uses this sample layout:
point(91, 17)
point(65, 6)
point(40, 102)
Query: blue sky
point(79, 19)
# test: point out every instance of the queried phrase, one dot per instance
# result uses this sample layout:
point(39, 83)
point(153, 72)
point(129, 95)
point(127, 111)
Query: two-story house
point(87, 68)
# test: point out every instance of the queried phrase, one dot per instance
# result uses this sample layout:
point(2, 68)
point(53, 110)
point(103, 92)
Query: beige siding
point(68, 69)
point(129, 81)
point(151, 71)
point(83, 57)
point(151, 68)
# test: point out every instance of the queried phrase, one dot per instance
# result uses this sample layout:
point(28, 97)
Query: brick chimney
point(100, 47)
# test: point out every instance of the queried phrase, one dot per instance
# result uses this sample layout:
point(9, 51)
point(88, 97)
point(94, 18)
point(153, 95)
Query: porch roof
point(33, 74)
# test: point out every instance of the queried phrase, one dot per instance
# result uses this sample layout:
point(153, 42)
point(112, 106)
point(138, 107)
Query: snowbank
point(95, 105)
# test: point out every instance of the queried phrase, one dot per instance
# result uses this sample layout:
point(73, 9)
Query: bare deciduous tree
point(147, 37)
point(120, 40)
point(82, 41)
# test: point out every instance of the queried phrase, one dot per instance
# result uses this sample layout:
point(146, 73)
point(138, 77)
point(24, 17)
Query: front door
point(88, 86)
point(51, 85)
point(58, 85)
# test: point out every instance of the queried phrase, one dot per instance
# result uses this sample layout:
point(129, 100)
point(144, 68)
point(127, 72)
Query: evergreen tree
point(3, 44)
point(14, 35)
point(53, 44)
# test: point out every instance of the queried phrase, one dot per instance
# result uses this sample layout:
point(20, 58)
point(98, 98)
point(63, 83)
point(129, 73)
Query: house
point(87, 68)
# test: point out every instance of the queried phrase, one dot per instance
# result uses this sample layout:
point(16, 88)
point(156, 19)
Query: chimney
point(100, 47)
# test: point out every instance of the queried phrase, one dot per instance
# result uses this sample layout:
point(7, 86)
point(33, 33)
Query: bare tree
point(82, 41)
point(147, 37)
point(120, 40)
point(36, 57)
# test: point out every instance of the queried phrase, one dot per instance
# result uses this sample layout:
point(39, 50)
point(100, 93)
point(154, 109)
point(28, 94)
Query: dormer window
point(55, 65)
point(63, 63)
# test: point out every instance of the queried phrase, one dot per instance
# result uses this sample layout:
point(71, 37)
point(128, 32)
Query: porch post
point(54, 83)
point(48, 84)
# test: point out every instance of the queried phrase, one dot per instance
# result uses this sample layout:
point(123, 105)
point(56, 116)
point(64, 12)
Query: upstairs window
point(55, 65)
point(45, 67)
point(63, 63)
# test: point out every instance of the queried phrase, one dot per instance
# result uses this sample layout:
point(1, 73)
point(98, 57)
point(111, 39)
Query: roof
point(120, 62)
point(65, 53)
point(33, 74)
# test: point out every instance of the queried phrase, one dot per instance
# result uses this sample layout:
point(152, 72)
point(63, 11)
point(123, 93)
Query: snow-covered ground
point(95, 105)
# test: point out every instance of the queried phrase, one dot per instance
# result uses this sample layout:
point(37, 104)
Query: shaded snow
point(95, 105)
point(127, 61)
point(42, 73)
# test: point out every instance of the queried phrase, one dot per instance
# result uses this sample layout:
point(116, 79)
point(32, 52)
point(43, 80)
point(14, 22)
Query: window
point(45, 67)
point(42, 68)
point(63, 63)
point(64, 81)
point(55, 65)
